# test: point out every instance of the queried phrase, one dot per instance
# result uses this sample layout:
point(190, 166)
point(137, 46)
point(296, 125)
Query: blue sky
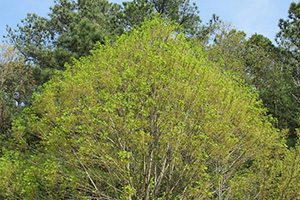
point(252, 16)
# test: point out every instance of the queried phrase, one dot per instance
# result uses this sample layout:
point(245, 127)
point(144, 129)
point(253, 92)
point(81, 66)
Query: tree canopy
point(147, 117)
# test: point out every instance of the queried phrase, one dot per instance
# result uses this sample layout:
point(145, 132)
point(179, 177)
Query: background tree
point(289, 38)
point(273, 79)
point(71, 30)
point(288, 41)
point(16, 87)
point(227, 46)
point(183, 12)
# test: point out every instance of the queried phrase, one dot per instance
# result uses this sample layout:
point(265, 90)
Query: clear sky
point(252, 16)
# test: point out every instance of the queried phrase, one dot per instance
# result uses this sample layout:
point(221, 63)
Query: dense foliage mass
point(148, 117)
point(163, 108)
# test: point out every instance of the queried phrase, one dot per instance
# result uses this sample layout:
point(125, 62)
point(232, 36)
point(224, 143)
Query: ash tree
point(148, 117)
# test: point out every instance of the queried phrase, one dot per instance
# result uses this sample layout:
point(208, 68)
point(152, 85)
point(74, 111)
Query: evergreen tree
point(182, 12)
point(70, 31)
point(288, 40)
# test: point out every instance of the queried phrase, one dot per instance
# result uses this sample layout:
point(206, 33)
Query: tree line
point(144, 101)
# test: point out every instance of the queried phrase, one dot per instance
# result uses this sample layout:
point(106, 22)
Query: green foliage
point(8, 112)
point(148, 117)
point(288, 36)
point(153, 115)
point(73, 27)
point(16, 78)
point(288, 40)
point(16, 87)
point(71, 30)
point(273, 78)
point(181, 11)
point(32, 177)
point(257, 61)
point(228, 47)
